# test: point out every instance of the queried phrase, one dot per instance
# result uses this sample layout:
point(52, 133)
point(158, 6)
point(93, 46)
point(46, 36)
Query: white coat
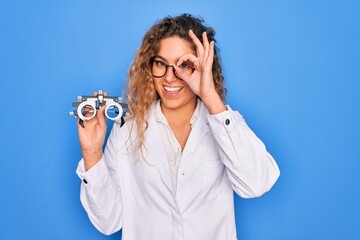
point(222, 155)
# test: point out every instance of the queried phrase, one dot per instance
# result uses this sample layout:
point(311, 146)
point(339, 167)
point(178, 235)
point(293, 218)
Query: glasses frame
point(166, 66)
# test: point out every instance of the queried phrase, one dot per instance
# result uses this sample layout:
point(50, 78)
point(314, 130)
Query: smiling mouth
point(172, 89)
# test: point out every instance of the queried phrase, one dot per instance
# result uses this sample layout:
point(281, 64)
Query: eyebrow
point(161, 57)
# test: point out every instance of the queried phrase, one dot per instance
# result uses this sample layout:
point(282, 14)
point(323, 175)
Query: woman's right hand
point(92, 137)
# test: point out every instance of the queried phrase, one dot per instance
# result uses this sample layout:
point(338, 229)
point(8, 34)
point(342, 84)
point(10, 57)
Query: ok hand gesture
point(201, 80)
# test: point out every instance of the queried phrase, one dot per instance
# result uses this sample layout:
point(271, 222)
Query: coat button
point(227, 121)
point(84, 180)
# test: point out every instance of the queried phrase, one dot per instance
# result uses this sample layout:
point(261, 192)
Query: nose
point(170, 74)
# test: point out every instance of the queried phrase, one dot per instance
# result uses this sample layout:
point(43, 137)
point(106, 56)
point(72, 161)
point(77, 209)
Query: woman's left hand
point(201, 80)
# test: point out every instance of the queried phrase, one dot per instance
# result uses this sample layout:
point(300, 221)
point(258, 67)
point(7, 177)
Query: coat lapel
point(198, 131)
point(155, 152)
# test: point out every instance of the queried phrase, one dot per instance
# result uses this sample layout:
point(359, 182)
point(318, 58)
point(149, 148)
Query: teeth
point(172, 89)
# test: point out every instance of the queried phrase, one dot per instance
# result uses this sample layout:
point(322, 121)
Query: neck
point(182, 115)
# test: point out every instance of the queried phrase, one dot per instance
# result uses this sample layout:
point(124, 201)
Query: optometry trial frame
point(87, 106)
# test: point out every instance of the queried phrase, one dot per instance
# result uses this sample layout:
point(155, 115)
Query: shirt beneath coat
point(172, 146)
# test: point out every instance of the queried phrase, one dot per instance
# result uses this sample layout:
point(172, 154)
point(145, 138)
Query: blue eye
point(184, 65)
point(160, 63)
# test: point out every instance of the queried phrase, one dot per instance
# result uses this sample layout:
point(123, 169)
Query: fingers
point(206, 45)
point(96, 93)
point(210, 58)
point(191, 60)
point(188, 58)
point(180, 73)
point(100, 116)
point(204, 50)
point(198, 44)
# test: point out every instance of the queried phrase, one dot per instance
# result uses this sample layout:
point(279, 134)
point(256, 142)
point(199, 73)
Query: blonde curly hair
point(141, 92)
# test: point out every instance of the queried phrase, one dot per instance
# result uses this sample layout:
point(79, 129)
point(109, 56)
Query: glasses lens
point(186, 68)
point(112, 112)
point(87, 111)
point(158, 69)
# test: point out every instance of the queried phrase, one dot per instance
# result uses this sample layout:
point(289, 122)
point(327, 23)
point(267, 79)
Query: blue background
point(291, 67)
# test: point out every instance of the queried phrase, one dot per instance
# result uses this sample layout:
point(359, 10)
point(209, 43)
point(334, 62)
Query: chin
point(171, 103)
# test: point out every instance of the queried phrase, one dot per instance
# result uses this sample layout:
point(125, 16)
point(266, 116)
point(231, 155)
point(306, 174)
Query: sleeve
point(100, 192)
point(252, 171)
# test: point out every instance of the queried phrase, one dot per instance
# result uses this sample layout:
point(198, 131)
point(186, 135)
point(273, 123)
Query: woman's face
point(175, 94)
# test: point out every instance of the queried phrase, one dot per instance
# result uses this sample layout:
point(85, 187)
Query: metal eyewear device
point(87, 106)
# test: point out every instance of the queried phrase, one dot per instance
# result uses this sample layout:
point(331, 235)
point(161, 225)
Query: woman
point(171, 170)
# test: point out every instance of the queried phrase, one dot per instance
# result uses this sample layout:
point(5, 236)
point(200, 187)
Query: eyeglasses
point(159, 68)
